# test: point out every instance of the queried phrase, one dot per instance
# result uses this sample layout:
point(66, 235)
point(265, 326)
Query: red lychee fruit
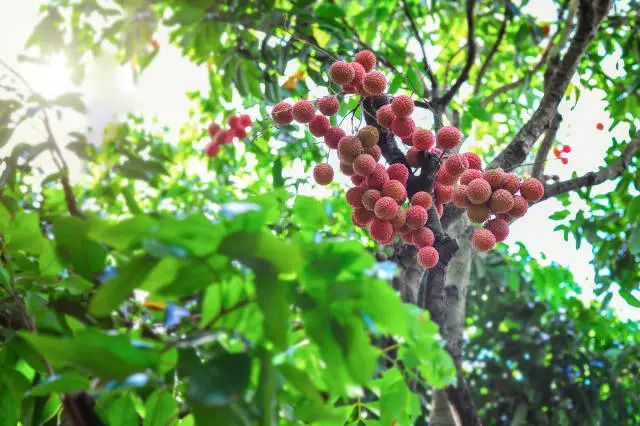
point(378, 177)
point(499, 228)
point(460, 197)
point(381, 230)
point(423, 237)
point(510, 182)
point(422, 199)
point(385, 116)
point(399, 172)
point(233, 121)
point(403, 127)
point(366, 58)
point(224, 137)
point(319, 125)
point(469, 175)
point(239, 132)
point(328, 105)
point(444, 178)
point(359, 71)
point(436, 151)
point(564, 161)
point(475, 162)
point(478, 191)
point(449, 137)
point(323, 174)
point(370, 197)
point(349, 148)
point(483, 240)
point(373, 151)
point(399, 220)
point(332, 137)
point(369, 136)
point(402, 106)
point(364, 165)
point(407, 237)
point(478, 213)
point(501, 201)
point(423, 139)
point(244, 120)
point(428, 257)
point(341, 72)
point(456, 164)
point(520, 207)
point(212, 149)
point(600, 126)
point(566, 148)
point(531, 189)
point(361, 217)
point(416, 217)
point(395, 190)
point(494, 177)
point(213, 129)
point(282, 113)
point(505, 216)
point(303, 111)
point(354, 196)
point(413, 157)
point(443, 193)
point(356, 179)
point(374, 83)
point(346, 169)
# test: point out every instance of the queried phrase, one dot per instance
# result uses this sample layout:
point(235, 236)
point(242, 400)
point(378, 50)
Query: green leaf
point(63, 383)
point(86, 256)
point(70, 100)
point(25, 234)
point(9, 406)
point(254, 249)
point(559, 215)
point(120, 410)
point(634, 239)
point(630, 298)
point(211, 304)
point(272, 299)
point(161, 409)
point(219, 381)
point(309, 212)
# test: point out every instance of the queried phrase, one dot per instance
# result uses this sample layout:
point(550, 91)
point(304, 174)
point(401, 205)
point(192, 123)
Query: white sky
point(111, 93)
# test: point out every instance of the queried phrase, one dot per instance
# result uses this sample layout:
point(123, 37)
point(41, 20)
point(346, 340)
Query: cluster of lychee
point(379, 198)
point(237, 129)
point(563, 149)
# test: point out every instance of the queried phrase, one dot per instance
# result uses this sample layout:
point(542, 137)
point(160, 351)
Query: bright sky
point(110, 93)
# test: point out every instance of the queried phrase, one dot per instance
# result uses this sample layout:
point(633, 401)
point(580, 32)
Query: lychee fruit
point(510, 182)
point(323, 174)
point(505, 216)
point(600, 126)
point(349, 148)
point(449, 137)
point(385, 116)
point(374, 83)
point(501, 201)
point(499, 228)
point(402, 106)
point(303, 111)
point(354, 196)
point(328, 105)
point(407, 237)
point(428, 257)
point(437, 151)
point(413, 156)
point(239, 132)
point(332, 137)
point(212, 149)
point(244, 120)
point(369, 136)
point(478, 213)
point(213, 129)
point(475, 162)
point(460, 197)
point(357, 179)
point(399, 220)
point(233, 121)
point(520, 207)
point(373, 151)
point(444, 178)
point(346, 169)
point(364, 165)
point(381, 230)
point(483, 240)
point(469, 175)
point(422, 199)
point(423, 139)
point(319, 125)
point(282, 113)
point(399, 172)
point(494, 177)
point(566, 148)
point(341, 72)
point(456, 164)
point(478, 191)
point(378, 177)
point(443, 193)
point(370, 197)
point(395, 190)
point(531, 189)
point(423, 237)
point(416, 217)
point(366, 58)
point(358, 78)
point(361, 217)
point(403, 127)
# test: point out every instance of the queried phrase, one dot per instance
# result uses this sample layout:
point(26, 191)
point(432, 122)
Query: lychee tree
point(445, 74)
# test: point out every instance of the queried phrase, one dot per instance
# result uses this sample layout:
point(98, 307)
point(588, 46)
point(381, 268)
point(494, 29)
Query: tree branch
point(543, 151)
point(387, 142)
point(425, 62)
point(519, 147)
point(471, 55)
point(494, 48)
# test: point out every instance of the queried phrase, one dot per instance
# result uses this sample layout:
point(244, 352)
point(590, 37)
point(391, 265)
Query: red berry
point(532, 189)
point(402, 106)
point(499, 228)
point(444, 178)
point(416, 217)
point(364, 165)
point(212, 149)
point(520, 207)
point(399, 172)
point(319, 125)
point(557, 152)
point(566, 148)
point(600, 126)
point(456, 164)
point(443, 193)
point(366, 58)
point(303, 111)
point(361, 217)
point(323, 173)
point(423, 237)
point(374, 83)
point(413, 156)
point(282, 113)
point(423, 139)
point(385, 116)
point(403, 127)
point(378, 177)
point(381, 230)
point(213, 129)
point(395, 190)
point(478, 191)
point(449, 137)
point(332, 137)
point(369, 198)
point(358, 78)
point(510, 182)
point(328, 105)
point(239, 132)
point(428, 257)
point(245, 120)
point(422, 199)
point(564, 160)
point(341, 72)
point(354, 196)
point(483, 240)
point(475, 162)
point(469, 175)
point(233, 121)
point(386, 208)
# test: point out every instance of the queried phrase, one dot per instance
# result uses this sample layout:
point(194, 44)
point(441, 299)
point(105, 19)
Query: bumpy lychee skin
point(354, 196)
point(328, 105)
point(303, 111)
point(499, 228)
point(319, 125)
point(416, 217)
point(361, 217)
point(478, 191)
point(332, 137)
point(460, 197)
point(349, 148)
point(449, 137)
point(444, 178)
point(501, 201)
point(385, 116)
point(423, 139)
point(378, 177)
point(494, 177)
point(413, 157)
point(469, 175)
point(213, 129)
point(423, 237)
point(402, 106)
point(357, 179)
point(323, 174)
point(510, 182)
point(374, 151)
point(483, 240)
point(399, 172)
point(422, 199)
point(403, 127)
point(520, 207)
point(212, 149)
point(428, 257)
point(475, 162)
point(531, 189)
point(394, 189)
point(239, 132)
point(374, 83)
point(370, 197)
point(366, 58)
point(399, 220)
point(346, 169)
point(369, 136)
point(341, 72)
point(443, 193)
point(364, 165)
point(456, 164)
point(359, 71)
point(505, 217)
point(282, 113)
point(381, 230)
point(478, 213)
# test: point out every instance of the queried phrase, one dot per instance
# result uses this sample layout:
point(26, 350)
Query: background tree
point(284, 329)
